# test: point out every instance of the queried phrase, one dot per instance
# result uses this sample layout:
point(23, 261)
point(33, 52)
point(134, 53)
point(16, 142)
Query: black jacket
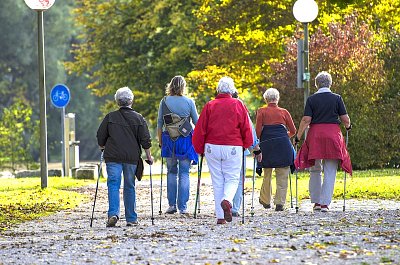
point(122, 137)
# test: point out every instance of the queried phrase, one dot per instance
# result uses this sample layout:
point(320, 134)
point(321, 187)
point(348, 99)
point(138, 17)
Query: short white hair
point(323, 79)
point(271, 94)
point(226, 86)
point(124, 97)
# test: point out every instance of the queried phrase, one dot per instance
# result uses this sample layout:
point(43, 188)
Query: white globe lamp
point(305, 11)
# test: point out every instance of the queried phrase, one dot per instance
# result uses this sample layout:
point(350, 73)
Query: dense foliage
point(140, 44)
point(18, 136)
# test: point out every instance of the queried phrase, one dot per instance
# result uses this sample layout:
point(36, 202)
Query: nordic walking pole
point(291, 194)
point(252, 192)
point(344, 188)
point(243, 178)
point(162, 165)
point(198, 198)
point(151, 191)
point(97, 185)
point(197, 201)
point(297, 200)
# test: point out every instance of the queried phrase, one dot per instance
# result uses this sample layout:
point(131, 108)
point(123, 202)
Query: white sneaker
point(171, 210)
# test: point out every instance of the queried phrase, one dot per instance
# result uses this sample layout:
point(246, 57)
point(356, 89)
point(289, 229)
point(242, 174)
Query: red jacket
point(223, 121)
point(324, 141)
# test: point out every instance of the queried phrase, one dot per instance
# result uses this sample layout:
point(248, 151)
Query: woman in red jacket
point(324, 146)
point(221, 133)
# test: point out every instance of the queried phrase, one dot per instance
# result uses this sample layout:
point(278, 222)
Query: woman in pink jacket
point(221, 133)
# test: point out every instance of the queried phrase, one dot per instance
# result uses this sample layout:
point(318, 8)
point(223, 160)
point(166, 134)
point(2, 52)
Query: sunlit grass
point(364, 184)
point(367, 184)
point(23, 199)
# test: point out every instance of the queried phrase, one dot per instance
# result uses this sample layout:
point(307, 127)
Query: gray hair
point(176, 86)
point(323, 79)
point(226, 86)
point(271, 95)
point(124, 97)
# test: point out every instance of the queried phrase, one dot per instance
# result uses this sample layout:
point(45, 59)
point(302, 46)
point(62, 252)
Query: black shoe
point(112, 221)
point(265, 205)
point(235, 214)
point(279, 208)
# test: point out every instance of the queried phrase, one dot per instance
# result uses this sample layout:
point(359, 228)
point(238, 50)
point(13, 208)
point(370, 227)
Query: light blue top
point(180, 105)
point(255, 140)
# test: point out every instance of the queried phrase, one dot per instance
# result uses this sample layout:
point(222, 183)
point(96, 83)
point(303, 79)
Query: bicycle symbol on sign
point(60, 96)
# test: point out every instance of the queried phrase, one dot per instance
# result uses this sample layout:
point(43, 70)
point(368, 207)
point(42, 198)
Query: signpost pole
point(60, 97)
point(63, 169)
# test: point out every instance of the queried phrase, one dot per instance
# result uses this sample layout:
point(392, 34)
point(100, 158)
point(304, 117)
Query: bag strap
point(135, 135)
point(165, 108)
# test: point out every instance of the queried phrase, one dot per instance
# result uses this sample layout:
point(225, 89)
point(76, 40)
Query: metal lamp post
point(305, 11)
point(40, 6)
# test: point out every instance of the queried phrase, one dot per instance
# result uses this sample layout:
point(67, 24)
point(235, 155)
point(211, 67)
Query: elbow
point(306, 120)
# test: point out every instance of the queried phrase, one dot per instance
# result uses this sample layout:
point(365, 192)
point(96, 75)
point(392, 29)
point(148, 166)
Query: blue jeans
point(237, 200)
point(114, 171)
point(178, 184)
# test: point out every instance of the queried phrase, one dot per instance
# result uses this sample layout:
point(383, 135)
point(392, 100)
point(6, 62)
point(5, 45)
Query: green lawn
point(22, 199)
point(370, 184)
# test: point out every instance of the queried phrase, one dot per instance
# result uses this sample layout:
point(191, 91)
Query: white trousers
point(321, 192)
point(225, 163)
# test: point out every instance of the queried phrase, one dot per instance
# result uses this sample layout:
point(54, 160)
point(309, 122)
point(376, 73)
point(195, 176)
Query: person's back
point(121, 145)
point(324, 147)
point(180, 105)
point(230, 113)
point(121, 135)
point(221, 133)
point(176, 144)
point(325, 107)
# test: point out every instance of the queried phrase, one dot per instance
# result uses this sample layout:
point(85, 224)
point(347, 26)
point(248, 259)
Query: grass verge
point(364, 184)
point(367, 184)
point(23, 199)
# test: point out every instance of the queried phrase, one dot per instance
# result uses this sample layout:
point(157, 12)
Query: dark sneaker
point(317, 207)
point(265, 205)
point(235, 214)
point(226, 206)
point(221, 221)
point(324, 208)
point(171, 210)
point(134, 223)
point(279, 208)
point(112, 221)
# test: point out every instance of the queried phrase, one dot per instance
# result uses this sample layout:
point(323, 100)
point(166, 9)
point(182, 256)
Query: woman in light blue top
point(179, 152)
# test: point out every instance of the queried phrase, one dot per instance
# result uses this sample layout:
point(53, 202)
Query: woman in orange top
point(274, 127)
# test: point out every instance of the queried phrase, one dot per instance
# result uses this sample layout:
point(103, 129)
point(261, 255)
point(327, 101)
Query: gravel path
point(367, 233)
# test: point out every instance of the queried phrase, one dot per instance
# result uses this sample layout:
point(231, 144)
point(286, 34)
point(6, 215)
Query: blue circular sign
point(60, 96)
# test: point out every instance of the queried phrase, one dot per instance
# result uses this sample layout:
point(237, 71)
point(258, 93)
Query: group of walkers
point(224, 134)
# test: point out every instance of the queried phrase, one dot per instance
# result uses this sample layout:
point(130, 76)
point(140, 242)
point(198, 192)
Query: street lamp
point(40, 6)
point(305, 11)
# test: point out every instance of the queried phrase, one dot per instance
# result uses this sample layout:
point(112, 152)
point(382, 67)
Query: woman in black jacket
point(122, 134)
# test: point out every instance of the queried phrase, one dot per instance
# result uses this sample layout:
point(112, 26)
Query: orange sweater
point(272, 115)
